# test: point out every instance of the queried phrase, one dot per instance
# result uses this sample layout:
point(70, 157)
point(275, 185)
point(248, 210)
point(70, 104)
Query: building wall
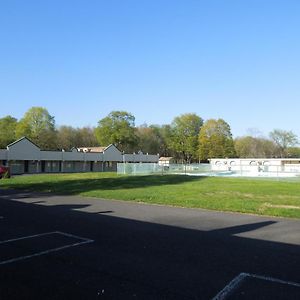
point(97, 166)
point(23, 156)
point(111, 153)
point(50, 166)
point(33, 166)
point(23, 150)
point(110, 166)
point(140, 158)
point(78, 166)
point(3, 154)
point(255, 164)
point(16, 166)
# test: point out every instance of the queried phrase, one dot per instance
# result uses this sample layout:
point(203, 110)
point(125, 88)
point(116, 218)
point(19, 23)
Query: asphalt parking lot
point(65, 247)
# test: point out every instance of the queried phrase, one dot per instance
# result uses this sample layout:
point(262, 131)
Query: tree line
point(188, 138)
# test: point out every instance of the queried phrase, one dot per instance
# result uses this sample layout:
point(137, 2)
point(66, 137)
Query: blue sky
point(157, 59)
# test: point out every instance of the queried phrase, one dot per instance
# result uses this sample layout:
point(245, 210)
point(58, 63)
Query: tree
point(215, 140)
point(38, 125)
point(293, 152)
point(86, 137)
point(254, 147)
point(184, 136)
point(67, 137)
point(7, 131)
point(283, 139)
point(148, 139)
point(118, 129)
point(163, 134)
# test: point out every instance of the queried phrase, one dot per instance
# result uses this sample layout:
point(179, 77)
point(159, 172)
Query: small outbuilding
point(165, 161)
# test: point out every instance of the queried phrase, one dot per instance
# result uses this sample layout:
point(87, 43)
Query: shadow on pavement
point(135, 260)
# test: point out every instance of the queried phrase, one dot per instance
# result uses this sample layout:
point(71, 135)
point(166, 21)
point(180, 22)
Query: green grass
point(255, 196)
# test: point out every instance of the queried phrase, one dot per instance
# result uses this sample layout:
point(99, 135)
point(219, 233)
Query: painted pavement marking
point(235, 283)
point(81, 241)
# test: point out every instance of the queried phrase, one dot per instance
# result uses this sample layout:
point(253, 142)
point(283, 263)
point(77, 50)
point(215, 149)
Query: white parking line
point(274, 280)
point(233, 284)
point(82, 241)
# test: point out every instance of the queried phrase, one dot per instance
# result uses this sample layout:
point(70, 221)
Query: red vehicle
point(4, 172)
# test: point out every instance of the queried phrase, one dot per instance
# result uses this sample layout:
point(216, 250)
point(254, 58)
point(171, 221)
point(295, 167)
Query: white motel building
point(23, 156)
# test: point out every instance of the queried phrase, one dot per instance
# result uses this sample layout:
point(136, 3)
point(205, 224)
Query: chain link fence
point(154, 168)
point(272, 171)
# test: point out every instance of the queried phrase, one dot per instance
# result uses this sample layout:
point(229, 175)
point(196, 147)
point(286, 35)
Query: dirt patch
point(281, 206)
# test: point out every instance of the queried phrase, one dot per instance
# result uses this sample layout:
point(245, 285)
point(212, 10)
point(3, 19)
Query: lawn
point(263, 196)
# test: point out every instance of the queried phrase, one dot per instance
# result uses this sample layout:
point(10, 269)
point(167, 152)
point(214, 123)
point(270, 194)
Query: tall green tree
point(68, 137)
point(163, 134)
point(7, 131)
point(148, 139)
point(117, 128)
point(154, 139)
point(86, 137)
point(293, 152)
point(215, 140)
point(184, 136)
point(38, 125)
point(283, 139)
point(254, 147)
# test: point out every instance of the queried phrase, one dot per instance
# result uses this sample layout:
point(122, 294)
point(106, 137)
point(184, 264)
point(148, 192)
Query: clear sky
point(236, 60)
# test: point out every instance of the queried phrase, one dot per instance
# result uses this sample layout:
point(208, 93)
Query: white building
point(23, 156)
point(256, 165)
point(165, 161)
